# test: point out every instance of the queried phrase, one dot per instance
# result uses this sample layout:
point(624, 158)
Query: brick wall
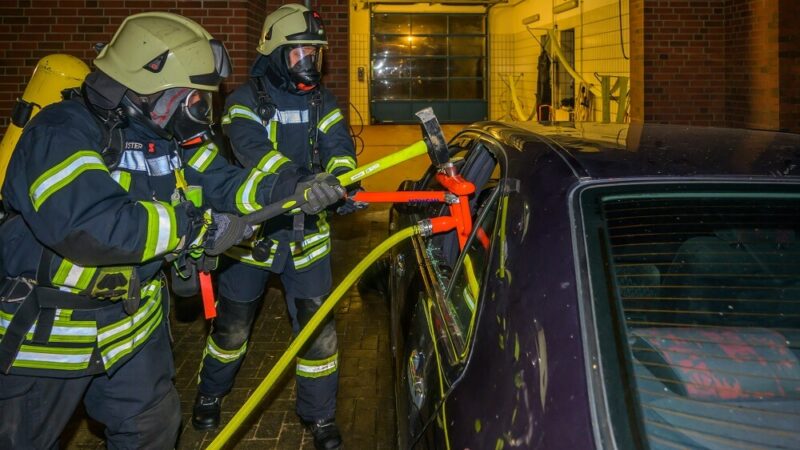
point(684, 61)
point(717, 63)
point(789, 67)
point(751, 72)
point(32, 29)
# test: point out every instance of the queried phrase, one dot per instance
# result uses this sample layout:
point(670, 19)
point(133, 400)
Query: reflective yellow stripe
point(272, 161)
point(57, 358)
point(224, 356)
point(63, 331)
point(272, 133)
point(242, 112)
point(312, 256)
point(203, 157)
point(245, 255)
point(64, 173)
point(161, 223)
point(73, 276)
point(122, 178)
point(330, 120)
point(123, 337)
point(316, 368)
point(340, 161)
point(246, 194)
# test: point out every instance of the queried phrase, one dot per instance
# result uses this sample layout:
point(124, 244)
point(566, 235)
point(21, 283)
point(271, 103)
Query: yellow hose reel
point(52, 74)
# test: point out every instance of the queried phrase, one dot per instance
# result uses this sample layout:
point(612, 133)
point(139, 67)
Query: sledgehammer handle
point(359, 173)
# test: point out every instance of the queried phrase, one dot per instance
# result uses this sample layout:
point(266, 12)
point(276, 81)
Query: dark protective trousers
point(241, 289)
point(138, 403)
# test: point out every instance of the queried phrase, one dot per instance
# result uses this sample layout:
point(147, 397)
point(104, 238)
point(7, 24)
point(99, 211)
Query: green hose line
point(316, 320)
point(412, 151)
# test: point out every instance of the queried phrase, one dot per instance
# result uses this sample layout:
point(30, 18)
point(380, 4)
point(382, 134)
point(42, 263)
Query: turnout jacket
point(280, 139)
point(73, 219)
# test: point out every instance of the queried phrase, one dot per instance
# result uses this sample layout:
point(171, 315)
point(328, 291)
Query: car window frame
point(459, 340)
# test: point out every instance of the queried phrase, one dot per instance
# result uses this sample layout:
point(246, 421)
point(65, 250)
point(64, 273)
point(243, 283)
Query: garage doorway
point(421, 60)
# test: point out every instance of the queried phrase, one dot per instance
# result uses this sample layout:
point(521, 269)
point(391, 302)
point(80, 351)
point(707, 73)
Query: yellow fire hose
point(294, 348)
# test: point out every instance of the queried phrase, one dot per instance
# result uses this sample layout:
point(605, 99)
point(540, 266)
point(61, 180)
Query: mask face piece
point(305, 65)
point(191, 122)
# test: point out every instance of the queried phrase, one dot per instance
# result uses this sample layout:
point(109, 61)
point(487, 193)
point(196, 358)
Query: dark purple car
point(634, 287)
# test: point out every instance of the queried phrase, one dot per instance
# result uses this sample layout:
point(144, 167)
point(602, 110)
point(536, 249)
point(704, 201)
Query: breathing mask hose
point(305, 334)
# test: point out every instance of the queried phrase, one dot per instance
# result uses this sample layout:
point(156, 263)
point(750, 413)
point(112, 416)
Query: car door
point(443, 319)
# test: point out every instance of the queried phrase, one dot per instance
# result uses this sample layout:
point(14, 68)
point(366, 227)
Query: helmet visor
point(197, 106)
point(305, 58)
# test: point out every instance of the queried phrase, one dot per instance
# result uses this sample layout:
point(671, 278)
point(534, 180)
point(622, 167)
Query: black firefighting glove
point(223, 231)
point(321, 191)
point(348, 205)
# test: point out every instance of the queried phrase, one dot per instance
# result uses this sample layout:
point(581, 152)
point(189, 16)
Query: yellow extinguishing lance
point(52, 74)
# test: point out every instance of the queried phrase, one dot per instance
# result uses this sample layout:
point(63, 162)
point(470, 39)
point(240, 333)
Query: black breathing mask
point(191, 122)
point(305, 65)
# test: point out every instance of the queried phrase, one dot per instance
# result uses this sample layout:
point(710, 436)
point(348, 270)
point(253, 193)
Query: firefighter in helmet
point(102, 188)
point(282, 120)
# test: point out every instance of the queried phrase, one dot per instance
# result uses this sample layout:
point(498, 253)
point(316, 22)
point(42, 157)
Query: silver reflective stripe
point(313, 239)
point(62, 175)
point(133, 320)
point(73, 275)
point(222, 355)
point(74, 331)
point(313, 254)
point(164, 228)
point(270, 162)
point(292, 116)
point(133, 160)
point(200, 160)
point(245, 197)
point(329, 120)
point(134, 342)
point(316, 369)
point(136, 161)
point(23, 356)
point(245, 112)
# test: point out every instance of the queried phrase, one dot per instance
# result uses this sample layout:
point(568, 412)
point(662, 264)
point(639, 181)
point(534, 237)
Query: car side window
point(468, 276)
point(461, 273)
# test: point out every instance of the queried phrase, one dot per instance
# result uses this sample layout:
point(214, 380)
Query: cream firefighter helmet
point(289, 25)
point(155, 51)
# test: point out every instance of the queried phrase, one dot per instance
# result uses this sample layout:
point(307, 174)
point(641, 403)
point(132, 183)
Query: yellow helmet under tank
point(154, 51)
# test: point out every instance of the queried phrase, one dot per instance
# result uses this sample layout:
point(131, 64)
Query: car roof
point(647, 150)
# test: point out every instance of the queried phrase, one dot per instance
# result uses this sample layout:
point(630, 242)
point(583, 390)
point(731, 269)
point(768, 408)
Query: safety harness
point(40, 299)
point(266, 109)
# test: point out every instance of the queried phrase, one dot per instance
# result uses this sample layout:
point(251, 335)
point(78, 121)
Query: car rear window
point(701, 287)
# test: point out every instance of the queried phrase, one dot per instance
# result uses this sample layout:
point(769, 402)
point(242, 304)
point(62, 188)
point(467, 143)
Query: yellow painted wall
point(513, 53)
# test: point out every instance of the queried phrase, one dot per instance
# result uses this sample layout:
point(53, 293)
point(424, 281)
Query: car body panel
point(532, 378)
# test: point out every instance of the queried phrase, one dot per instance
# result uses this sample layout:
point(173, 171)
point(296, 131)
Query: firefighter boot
point(205, 412)
point(326, 434)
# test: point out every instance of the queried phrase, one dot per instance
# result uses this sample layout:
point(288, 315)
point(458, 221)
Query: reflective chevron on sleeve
point(161, 229)
point(62, 174)
point(203, 157)
point(340, 161)
point(246, 194)
point(272, 161)
point(330, 120)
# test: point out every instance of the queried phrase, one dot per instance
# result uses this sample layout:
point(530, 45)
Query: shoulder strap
point(266, 107)
point(114, 120)
point(315, 107)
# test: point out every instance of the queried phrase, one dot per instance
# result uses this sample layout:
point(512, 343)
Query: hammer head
point(434, 137)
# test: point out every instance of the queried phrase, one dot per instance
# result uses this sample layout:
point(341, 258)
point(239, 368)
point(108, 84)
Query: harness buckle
point(15, 290)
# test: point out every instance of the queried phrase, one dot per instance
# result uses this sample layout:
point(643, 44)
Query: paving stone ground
point(365, 412)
